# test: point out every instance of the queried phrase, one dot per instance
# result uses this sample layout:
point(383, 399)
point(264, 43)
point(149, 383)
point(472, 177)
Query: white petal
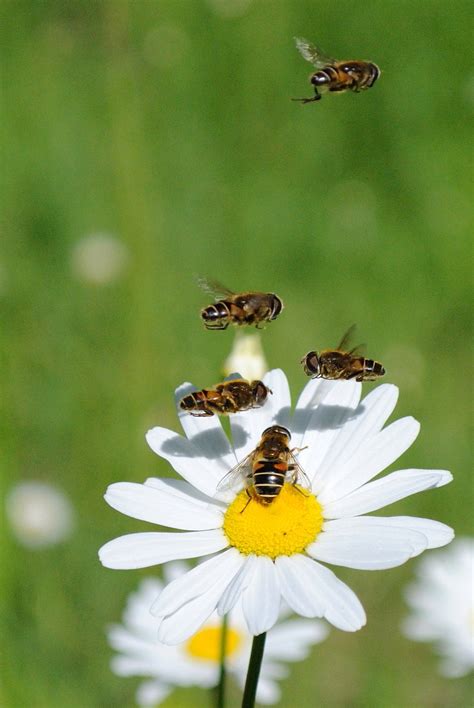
point(368, 419)
point(387, 490)
point(206, 433)
point(261, 598)
point(325, 423)
point(371, 458)
point(165, 506)
point(325, 594)
point(247, 427)
point(187, 459)
point(296, 575)
point(233, 591)
point(187, 602)
point(152, 693)
point(268, 692)
point(140, 550)
point(292, 640)
point(438, 534)
point(366, 543)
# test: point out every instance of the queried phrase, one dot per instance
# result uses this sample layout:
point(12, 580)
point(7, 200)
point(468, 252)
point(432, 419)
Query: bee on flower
point(277, 551)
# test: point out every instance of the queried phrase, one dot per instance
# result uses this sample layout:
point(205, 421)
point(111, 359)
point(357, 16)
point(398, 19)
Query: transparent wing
point(213, 288)
point(345, 342)
point(236, 474)
point(313, 54)
point(298, 472)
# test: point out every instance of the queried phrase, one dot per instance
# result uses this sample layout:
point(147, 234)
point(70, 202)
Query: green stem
point(253, 672)
point(220, 695)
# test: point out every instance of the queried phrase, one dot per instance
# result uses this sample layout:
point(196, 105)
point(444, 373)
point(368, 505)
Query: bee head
point(260, 392)
point(311, 364)
point(277, 430)
point(277, 306)
point(187, 403)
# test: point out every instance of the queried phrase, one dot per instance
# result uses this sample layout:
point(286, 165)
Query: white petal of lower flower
point(162, 506)
point(326, 595)
point(187, 459)
point(391, 488)
point(188, 601)
point(268, 692)
point(261, 598)
point(368, 419)
point(205, 432)
point(141, 550)
point(326, 422)
point(248, 427)
point(151, 693)
point(233, 591)
point(367, 548)
point(292, 640)
point(371, 458)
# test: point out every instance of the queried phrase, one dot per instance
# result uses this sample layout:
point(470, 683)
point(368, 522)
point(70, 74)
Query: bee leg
point(316, 97)
point(295, 451)
point(248, 501)
point(201, 414)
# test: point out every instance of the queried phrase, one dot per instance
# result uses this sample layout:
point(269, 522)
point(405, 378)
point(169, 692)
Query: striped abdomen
point(268, 479)
point(216, 316)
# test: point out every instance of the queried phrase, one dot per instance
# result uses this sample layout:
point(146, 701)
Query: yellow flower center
point(206, 644)
point(283, 527)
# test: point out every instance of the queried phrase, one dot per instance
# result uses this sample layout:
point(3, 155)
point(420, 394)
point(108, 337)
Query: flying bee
point(266, 469)
point(333, 75)
point(252, 308)
point(228, 397)
point(341, 364)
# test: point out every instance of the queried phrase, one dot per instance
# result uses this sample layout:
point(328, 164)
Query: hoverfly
point(342, 364)
point(335, 76)
point(248, 308)
point(230, 396)
point(266, 469)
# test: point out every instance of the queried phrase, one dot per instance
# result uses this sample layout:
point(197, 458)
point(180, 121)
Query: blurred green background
point(168, 124)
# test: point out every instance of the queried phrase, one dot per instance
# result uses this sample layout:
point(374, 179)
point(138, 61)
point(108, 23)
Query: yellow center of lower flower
point(206, 644)
point(283, 527)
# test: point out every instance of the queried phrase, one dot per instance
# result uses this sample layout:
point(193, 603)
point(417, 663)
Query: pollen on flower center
point(206, 644)
point(284, 527)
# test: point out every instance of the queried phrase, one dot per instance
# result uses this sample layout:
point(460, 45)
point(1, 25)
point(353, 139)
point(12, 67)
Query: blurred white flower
point(246, 357)
point(39, 514)
point(99, 258)
point(196, 662)
point(278, 551)
point(442, 604)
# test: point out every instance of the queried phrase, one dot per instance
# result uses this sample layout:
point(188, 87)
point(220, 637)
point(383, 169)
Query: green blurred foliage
point(169, 124)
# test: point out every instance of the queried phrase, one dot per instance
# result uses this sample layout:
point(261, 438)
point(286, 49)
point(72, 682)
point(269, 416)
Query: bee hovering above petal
point(341, 363)
point(231, 396)
point(334, 75)
point(239, 309)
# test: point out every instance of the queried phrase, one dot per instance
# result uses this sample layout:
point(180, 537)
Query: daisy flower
point(196, 662)
point(442, 604)
point(277, 551)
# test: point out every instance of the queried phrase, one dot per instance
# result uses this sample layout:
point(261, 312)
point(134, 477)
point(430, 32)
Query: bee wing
point(344, 343)
point(213, 288)
point(236, 474)
point(301, 477)
point(313, 54)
